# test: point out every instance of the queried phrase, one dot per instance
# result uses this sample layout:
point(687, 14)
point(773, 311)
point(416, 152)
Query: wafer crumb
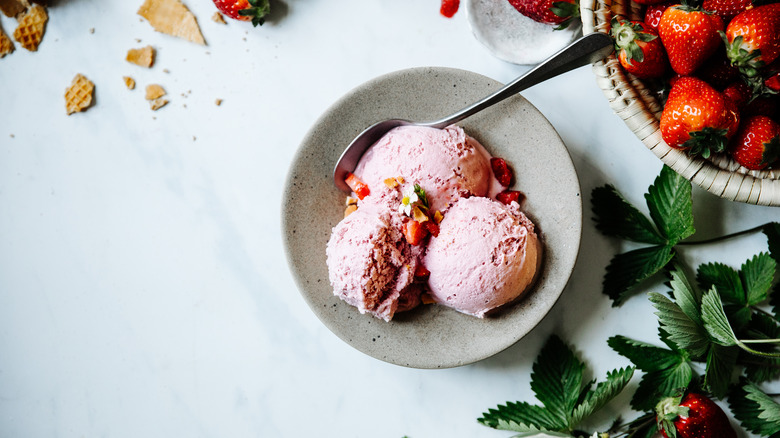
point(143, 56)
point(218, 102)
point(129, 82)
point(157, 104)
point(154, 91)
point(6, 45)
point(218, 18)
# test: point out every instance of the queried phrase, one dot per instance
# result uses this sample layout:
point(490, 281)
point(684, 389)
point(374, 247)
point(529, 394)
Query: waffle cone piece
point(78, 97)
point(173, 18)
point(6, 45)
point(29, 32)
point(13, 8)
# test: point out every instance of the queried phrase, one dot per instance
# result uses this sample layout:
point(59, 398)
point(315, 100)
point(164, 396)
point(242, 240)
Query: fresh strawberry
point(739, 93)
point(753, 38)
point(698, 118)
point(449, 7)
point(560, 13)
point(245, 10)
point(726, 9)
point(501, 171)
point(359, 187)
point(639, 50)
point(653, 14)
point(508, 196)
point(773, 82)
point(414, 232)
point(692, 416)
point(757, 143)
point(717, 70)
point(690, 36)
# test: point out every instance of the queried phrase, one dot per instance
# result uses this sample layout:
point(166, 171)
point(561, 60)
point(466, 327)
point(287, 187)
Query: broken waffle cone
point(173, 18)
point(154, 91)
point(13, 8)
point(32, 25)
point(143, 56)
point(78, 96)
point(6, 45)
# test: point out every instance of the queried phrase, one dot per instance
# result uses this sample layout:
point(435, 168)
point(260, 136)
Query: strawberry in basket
point(639, 49)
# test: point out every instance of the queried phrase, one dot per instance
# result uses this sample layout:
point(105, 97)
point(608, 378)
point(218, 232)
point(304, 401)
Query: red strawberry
point(501, 171)
point(414, 232)
point(561, 13)
point(753, 38)
point(717, 70)
point(690, 36)
point(773, 82)
point(692, 416)
point(726, 9)
point(432, 227)
point(639, 50)
point(507, 196)
point(757, 143)
point(245, 10)
point(739, 93)
point(653, 14)
point(421, 271)
point(359, 187)
point(698, 118)
point(449, 7)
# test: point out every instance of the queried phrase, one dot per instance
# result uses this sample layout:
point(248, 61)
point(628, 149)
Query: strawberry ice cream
point(446, 162)
point(485, 256)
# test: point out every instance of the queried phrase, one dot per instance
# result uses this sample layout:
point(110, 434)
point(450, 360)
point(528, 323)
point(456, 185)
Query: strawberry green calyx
point(667, 411)
point(748, 62)
point(626, 34)
point(706, 142)
point(258, 11)
point(567, 10)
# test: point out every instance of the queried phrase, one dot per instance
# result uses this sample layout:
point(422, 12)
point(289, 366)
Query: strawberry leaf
point(755, 410)
point(602, 393)
point(760, 369)
point(629, 269)
point(772, 232)
point(519, 417)
point(682, 330)
point(557, 378)
point(725, 278)
point(688, 297)
point(757, 275)
point(615, 216)
point(670, 204)
point(715, 321)
point(646, 357)
point(720, 366)
point(656, 385)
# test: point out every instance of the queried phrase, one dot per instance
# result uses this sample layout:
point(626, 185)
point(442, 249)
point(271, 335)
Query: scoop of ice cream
point(446, 163)
point(370, 264)
point(486, 255)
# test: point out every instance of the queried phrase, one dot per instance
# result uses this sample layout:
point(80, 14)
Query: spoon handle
point(586, 50)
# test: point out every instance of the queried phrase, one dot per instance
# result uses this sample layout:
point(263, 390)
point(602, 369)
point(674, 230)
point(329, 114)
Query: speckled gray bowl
point(433, 336)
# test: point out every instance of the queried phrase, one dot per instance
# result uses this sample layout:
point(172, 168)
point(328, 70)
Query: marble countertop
point(144, 289)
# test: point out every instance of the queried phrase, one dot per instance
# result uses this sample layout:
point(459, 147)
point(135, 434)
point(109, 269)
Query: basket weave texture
point(640, 109)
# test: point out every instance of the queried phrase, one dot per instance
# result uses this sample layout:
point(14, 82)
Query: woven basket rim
point(639, 109)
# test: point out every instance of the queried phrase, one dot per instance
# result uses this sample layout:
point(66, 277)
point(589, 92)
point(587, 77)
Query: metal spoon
point(585, 50)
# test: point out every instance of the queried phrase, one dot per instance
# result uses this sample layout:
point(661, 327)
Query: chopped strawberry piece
point(420, 271)
point(507, 196)
point(501, 171)
point(449, 7)
point(414, 232)
point(359, 187)
point(432, 228)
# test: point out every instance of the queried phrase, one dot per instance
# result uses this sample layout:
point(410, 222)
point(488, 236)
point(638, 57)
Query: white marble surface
point(143, 285)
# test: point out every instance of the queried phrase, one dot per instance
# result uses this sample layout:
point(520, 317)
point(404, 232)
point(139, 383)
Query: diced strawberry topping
point(420, 271)
point(507, 196)
point(449, 7)
point(501, 171)
point(357, 186)
point(414, 232)
point(432, 228)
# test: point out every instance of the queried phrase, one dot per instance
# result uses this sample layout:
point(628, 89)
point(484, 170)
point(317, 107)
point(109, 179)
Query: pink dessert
point(485, 256)
point(426, 226)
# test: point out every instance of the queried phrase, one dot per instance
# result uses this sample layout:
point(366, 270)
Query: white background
point(143, 285)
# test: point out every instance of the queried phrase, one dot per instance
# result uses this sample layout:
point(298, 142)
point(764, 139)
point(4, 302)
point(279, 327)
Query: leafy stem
point(724, 237)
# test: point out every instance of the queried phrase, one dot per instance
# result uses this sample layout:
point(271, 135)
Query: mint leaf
point(720, 366)
point(603, 393)
point(556, 379)
point(670, 205)
point(646, 357)
point(682, 330)
point(616, 217)
point(629, 269)
point(725, 278)
point(755, 410)
point(715, 321)
point(757, 274)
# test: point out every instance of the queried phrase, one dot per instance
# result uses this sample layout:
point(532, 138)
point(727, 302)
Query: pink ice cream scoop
point(446, 163)
point(370, 264)
point(485, 256)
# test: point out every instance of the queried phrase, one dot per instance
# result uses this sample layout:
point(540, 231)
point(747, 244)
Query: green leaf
point(686, 296)
point(755, 410)
point(616, 217)
point(725, 278)
point(629, 269)
point(761, 369)
point(720, 367)
point(715, 321)
point(657, 385)
point(646, 357)
point(556, 379)
point(682, 330)
point(670, 205)
point(602, 394)
point(519, 417)
point(757, 275)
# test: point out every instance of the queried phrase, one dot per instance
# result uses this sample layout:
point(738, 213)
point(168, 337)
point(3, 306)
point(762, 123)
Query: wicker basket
point(640, 109)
